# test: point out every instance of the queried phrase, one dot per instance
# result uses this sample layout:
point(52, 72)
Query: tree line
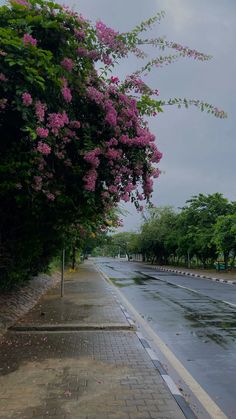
point(200, 233)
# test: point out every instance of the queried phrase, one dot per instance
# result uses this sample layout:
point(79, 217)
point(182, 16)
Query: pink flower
point(105, 194)
point(40, 109)
point(28, 39)
point(66, 93)
point(22, 3)
point(110, 38)
point(37, 183)
point(80, 35)
point(3, 77)
point(113, 154)
point(42, 132)
point(113, 189)
point(75, 124)
point(106, 59)
point(43, 148)
point(114, 80)
point(95, 95)
point(90, 180)
point(111, 117)
point(67, 64)
point(50, 196)
point(156, 173)
point(27, 99)
point(82, 52)
point(129, 188)
point(91, 157)
point(57, 121)
point(125, 197)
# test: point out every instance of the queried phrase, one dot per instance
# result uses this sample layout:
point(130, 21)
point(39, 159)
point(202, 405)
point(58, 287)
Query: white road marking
point(231, 304)
point(190, 289)
point(170, 383)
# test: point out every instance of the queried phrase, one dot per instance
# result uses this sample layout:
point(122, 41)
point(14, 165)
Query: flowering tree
point(74, 138)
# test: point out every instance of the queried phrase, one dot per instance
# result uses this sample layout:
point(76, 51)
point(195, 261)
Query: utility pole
point(62, 271)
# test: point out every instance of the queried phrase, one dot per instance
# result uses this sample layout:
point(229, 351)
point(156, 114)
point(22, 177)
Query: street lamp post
point(62, 271)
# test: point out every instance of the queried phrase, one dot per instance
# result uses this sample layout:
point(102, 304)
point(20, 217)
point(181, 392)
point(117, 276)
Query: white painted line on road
point(190, 289)
point(170, 383)
point(231, 304)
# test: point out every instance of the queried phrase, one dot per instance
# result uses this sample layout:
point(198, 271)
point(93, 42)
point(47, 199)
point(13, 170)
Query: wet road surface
point(192, 318)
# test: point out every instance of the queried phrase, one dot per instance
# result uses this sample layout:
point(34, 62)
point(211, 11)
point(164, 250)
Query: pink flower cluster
point(110, 38)
point(65, 90)
point(22, 3)
point(90, 180)
point(113, 154)
point(37, 186)
point(95, 95)
point(66, 93)
point(43, 148)
point(75, 124)
point(29, 40)
point(187, 52)
point(50, 196)
point(56, 121)
point(91, 157)
point(42, 132)
point(79, 34)
point(40, 109)
point(67, 64)
point(27, 99)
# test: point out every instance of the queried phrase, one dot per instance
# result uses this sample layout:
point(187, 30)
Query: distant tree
point(196, 225)
point(157, 237)
point(225, 237)
point(121, 242)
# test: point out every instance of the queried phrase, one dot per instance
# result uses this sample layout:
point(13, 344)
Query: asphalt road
point(195, 317)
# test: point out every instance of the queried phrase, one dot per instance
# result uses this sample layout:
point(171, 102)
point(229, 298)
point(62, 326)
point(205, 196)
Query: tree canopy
point(74, 138)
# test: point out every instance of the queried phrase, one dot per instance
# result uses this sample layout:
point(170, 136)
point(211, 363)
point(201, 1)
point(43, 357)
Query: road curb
point(225, 281)
point(180, 400)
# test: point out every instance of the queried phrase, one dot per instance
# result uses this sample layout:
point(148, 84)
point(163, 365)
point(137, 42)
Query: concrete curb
point(225, 281)
point(180, 400)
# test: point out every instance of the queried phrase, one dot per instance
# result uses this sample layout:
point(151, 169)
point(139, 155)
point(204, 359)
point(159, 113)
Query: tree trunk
point(73, 258)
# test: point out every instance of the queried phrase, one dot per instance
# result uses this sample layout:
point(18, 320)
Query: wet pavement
point(95, 373)
point(191, 317)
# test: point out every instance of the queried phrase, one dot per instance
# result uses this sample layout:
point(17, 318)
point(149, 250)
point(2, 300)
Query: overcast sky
point(199, 150)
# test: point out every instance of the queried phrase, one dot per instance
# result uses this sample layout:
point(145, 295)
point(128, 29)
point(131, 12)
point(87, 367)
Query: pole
point(188, 260)
point(62, 272)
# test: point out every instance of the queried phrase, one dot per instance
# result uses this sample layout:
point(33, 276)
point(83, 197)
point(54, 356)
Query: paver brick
point(80, 375)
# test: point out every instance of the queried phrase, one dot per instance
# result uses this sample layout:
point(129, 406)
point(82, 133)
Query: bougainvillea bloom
point(28, 39)
point(42, 132)
point(67, 64)
point(27, 99)
point(43, 148)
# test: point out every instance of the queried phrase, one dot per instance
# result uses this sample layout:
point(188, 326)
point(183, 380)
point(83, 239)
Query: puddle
point(124, 282)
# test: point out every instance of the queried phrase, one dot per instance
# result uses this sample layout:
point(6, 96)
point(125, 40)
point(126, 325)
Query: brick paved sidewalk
point(78, 367)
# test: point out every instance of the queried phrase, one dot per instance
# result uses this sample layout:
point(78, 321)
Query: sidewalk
point(78, 357)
